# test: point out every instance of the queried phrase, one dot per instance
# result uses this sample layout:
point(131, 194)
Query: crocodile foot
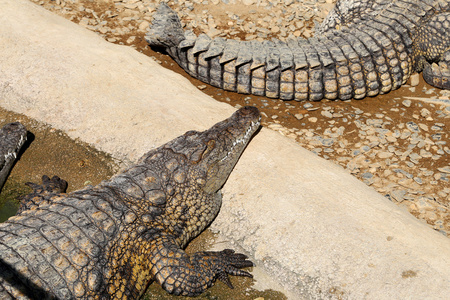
point(42, 193)
point(225, 262)
point(438, 75)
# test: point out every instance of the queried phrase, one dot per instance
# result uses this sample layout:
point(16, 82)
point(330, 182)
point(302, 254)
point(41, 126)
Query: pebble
point(418, 180)
point(445, 169)
point(248, 2)
point(385, 154)
point(327, 114)
point(414, 79)
point(412, 126)
point(406, 103)
point(398, 195)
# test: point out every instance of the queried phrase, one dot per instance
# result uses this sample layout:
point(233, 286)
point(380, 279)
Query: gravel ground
point(397, 143)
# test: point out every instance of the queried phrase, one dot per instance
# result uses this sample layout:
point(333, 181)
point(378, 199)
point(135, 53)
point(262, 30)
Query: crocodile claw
point(53, 185)
point(233, 262)
point(42, 193)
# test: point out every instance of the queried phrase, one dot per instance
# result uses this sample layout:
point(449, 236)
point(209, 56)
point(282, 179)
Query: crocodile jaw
point(231, 137)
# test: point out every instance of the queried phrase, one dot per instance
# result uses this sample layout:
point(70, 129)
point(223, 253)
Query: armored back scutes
point(364, 48)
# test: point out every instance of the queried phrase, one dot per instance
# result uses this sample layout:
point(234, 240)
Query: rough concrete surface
point(316, 229)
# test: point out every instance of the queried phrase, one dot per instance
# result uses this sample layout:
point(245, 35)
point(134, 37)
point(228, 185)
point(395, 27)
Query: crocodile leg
point(432, 50)
point(181, 274)
point(438, 75)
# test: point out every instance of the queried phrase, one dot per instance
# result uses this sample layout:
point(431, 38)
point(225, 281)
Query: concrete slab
point(316, 229)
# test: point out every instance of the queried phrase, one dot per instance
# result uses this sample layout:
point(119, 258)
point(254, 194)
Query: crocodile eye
point(200, 153)
point(196, 155)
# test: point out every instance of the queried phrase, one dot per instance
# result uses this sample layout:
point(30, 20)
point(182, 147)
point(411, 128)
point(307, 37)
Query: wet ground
point(50, 152)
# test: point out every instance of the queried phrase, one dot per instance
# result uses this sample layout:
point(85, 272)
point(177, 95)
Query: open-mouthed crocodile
point(12, 138)
point(110, 241)
point(364, 48)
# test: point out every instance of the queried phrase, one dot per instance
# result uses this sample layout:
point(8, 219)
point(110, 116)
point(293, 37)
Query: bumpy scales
point(364, 48)
point(111, 240)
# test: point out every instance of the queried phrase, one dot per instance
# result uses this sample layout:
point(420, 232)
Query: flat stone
point(445, 169)
point(418, 180)
point(248, 2)
point(298, 116)
point(412, 126)
point(406, 103)
point(398, 195)
point(384, 154)
point(326, 114)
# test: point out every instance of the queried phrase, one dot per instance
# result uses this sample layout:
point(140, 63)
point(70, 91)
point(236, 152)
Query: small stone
point(436, 128)
point(415, 156)
point(414, 79)
point(367, 175)
point(405, 134)
point(398, 195)
point(275, 29)
point(406, 103)
point(445, 169)
point(312, 119)
point(298, 116)
point(326, 114)
point(412, 126)
point(248, 2)
point(131, 39)
point(356, 152)
point(391, 139)
point(144, 25)
point(327, 142)
point(424, 112)
point(384, 154)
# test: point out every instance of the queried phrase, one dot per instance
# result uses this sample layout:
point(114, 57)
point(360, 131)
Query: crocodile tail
point(166, 30)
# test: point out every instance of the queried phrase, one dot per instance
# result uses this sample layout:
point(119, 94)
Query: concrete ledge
point(316, 229)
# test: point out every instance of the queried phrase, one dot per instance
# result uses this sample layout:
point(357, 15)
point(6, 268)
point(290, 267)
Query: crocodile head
point(213, 153)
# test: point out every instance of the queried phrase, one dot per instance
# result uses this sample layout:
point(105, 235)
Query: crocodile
point(12, 137)
point(363, 48)
point(111, 240)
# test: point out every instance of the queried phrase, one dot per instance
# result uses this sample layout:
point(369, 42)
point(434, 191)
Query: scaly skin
point(111, 240)
point(364, 48)
point(12, 138)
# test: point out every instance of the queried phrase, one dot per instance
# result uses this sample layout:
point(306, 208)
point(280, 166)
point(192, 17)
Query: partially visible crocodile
point(364, 48)
point(111, 240)
point(12, 138)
